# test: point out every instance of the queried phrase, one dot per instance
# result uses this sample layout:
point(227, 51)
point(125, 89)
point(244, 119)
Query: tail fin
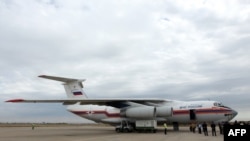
point(73, 87)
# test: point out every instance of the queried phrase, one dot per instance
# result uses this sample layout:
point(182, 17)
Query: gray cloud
point(175, 50)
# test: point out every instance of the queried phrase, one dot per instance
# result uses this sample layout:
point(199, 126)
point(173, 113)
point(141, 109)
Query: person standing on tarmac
point(213, 129)
point(165, 128)
point(220, 128)
point(204, 126)
point(199, 127)
point(193, 127)
point(32, 126)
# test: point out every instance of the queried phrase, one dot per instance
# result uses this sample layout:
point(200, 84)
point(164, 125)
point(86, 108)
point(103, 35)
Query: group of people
point(203, 127)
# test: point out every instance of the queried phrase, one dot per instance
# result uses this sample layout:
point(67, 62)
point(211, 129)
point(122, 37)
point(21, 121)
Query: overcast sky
point(182, 50)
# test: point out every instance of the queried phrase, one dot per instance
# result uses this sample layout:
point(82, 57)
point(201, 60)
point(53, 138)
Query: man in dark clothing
point(221, 128)
point(213, 129)
point(204, 126)
point(236, 122)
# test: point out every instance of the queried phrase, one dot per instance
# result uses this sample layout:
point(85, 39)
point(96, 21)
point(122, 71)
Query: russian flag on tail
point(77, 93)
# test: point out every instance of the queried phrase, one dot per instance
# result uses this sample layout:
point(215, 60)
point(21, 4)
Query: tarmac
point(99, 133)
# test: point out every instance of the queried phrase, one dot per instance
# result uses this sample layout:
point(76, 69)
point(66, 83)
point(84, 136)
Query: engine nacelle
point(164, 111)
point(145, 112)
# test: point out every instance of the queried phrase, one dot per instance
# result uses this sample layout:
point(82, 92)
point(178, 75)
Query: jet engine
point(144, 112)
point(164, 111)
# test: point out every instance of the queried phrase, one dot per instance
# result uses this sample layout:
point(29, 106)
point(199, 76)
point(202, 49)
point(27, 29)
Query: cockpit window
point(215, 104)
point(219, 104)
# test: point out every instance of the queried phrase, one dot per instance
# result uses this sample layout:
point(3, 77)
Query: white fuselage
point(182, 112)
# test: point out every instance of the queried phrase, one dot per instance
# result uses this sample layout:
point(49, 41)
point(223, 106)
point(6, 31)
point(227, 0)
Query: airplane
point(128, 113)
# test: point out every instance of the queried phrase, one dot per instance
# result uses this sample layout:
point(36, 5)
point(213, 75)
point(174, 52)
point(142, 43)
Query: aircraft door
point(192, 114)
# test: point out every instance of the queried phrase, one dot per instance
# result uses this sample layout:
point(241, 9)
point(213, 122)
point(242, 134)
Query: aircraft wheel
point(117, 130)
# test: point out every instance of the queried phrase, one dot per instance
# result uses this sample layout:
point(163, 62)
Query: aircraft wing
point(115, 102)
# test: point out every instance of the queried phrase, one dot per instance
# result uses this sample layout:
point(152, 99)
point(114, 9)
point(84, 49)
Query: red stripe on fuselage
point(175, 112)
point(96, 112)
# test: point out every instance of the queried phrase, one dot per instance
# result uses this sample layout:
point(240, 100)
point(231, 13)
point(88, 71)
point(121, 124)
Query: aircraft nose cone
point(234, 113)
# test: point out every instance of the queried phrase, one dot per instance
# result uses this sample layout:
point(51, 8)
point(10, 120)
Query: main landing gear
point(125, 126)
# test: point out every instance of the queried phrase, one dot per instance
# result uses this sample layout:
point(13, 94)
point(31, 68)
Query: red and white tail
point(73, 87)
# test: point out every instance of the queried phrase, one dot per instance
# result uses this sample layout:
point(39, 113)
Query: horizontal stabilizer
point(62, 79)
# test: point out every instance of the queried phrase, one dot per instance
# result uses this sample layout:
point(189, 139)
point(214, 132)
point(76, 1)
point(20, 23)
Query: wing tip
point(41, 75)
point(15, 100)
